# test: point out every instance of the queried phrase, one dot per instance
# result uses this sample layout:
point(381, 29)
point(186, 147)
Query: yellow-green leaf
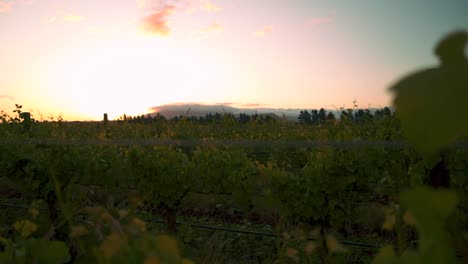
point(431, 103)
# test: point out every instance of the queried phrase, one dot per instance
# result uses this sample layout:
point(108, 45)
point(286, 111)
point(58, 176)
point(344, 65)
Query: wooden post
point(106, 128)
point(26, 116)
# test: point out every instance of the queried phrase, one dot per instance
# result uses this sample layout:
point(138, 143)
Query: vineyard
point(367, 187)
point(94, 190)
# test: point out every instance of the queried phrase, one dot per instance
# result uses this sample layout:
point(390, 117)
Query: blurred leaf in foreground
point(433, 103)
point(429, 210)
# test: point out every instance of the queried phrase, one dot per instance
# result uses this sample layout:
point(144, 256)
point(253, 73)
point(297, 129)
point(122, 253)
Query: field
point(227, 190)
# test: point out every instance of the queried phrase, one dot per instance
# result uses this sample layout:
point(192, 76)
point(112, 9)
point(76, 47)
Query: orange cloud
point(317, 21)
point(156, 23)
point(5, 6)
point(74, 18)
point(263, 31)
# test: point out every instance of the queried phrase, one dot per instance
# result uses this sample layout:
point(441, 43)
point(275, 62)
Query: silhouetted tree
point(314, 117)
point(322, 116)
point(254, 116)
point(304, 117)
point(362, 115)
point(244, 118)
point(217, 117)
point(387, 111)
point(381, 113)
point(346, 115)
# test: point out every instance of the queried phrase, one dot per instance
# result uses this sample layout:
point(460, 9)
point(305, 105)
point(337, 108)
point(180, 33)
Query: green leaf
point(431, 103)
point(425, 202)
point(6, 257)
point(430, 208)
point(386, 255)
point(49, 251)
point(412, 257)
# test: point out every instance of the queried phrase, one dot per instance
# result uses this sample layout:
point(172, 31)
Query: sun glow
point(80, 59)
point(132, 76)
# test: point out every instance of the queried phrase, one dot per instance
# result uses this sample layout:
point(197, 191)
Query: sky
point(82, 58)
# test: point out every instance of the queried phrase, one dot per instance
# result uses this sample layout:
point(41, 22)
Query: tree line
point(312, 117)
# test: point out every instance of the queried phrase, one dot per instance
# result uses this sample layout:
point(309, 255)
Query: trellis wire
point(212, 142)
point(216, 228)
point(205, 142)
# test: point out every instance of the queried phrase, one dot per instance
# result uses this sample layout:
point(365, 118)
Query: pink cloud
point(141, 3)
point(156, 23)
point(317, 21)
point(210, 7)
point(242, 105)
point(73, 18)
point(263, 31)
point(5, 6)
point(51, 19)
point(213, 28)
point(252, 105)
point(159, 5)
point(6, 97)
point(192, 6)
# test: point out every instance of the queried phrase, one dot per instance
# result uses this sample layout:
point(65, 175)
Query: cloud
point(6, 97)
point(73, 18)
point(141, 3)
point(5, 6)
point(193, 6)
point(317, 21)
point(252, 105)
point(156, 23)
point(241, 105)
point(51, 19)
point(263, 31)
point(210, 7)
point(213, 28)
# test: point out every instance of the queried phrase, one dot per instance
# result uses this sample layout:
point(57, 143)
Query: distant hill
point(195, 109)
point(172, 110)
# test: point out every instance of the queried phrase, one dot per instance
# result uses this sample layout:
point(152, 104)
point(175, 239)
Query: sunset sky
point(81, 58)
